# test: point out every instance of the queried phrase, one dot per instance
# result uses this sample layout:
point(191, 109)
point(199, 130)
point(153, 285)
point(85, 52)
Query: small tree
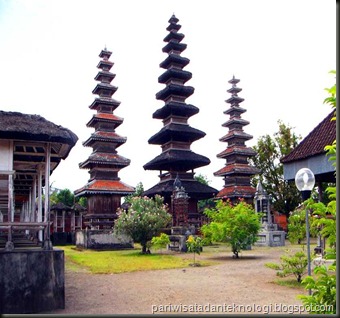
point(297, 226)
point(161, 241)
point(194, 245)
point(143, 220)
point(237, 225)
point(291, 265)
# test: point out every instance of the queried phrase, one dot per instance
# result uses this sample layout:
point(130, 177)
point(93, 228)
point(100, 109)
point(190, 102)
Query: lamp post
point(304, 181)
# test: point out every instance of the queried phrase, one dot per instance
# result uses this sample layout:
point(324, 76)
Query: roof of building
point(105, 187)
point(183, 159)
point(314, 143)
point(237, 169)
point(236, 192)
point(193, 188)
point(175, 109)
point(15, 125)
point(31, 135)
point(60, 206)
point(104, 159)
point(176, 132)
point(237, 150)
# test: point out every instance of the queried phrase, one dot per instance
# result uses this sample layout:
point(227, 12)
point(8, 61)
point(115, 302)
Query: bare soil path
point(234, 286)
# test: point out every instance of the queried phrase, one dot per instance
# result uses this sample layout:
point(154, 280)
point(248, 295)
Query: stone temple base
point(102, 240)
point(178, 243)
point(271, 238)
point(178, 238)
point(31, 281)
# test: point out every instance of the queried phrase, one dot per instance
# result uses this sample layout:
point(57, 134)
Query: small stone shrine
point(269, 234)
point(180, 229)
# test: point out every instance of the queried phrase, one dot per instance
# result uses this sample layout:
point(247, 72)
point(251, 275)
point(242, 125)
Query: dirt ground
point(234, 286)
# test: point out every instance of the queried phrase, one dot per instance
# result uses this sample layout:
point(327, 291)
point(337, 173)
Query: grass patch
point(114, 262)
point(291, 283)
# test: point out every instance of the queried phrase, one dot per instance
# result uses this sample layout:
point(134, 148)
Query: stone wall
point(102, 240)
point(31, 281)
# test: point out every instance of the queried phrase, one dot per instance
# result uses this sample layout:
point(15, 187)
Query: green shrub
point(161, 241)
point(291, 265)
point(236, 225)
point(323, 297)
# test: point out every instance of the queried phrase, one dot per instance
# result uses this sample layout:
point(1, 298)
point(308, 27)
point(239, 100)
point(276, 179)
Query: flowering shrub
point(143, 220)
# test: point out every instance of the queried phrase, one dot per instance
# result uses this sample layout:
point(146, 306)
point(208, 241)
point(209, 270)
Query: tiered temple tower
point(104, 188)
point(176, 136)
point(237, 172)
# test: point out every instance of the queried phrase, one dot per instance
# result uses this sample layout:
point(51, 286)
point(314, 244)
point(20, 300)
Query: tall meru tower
point(237, 172)
point(104, 188)
point(176, 136)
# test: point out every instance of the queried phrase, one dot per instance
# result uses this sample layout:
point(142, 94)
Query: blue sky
point(281, 51)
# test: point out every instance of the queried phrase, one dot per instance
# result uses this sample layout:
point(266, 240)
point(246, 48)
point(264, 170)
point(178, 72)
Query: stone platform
point(31, 281)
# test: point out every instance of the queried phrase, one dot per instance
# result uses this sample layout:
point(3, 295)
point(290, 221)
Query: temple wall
point(102, 240)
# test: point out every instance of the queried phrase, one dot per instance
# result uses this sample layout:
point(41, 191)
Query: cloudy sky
point(281, 51)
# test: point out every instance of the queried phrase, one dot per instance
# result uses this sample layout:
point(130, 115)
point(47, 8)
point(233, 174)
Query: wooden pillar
point(39, 216)
point(22, 214)
point(47, 242)
point(10, 199)
point(73, 221)
point(63, 221)
point(34, 196)
point(55, 221)
point(9, 244)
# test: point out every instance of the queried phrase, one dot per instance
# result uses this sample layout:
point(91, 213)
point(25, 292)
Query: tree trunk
point(299, 278)
point(143, 248)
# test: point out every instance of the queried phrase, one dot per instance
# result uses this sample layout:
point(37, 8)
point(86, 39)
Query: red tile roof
point(106, 186)
point(236, 191)
point(315, 142)
point(236, 168)
point(108, 116)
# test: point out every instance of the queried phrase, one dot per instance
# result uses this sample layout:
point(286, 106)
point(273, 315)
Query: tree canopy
point(269, 151)
point(237, 225)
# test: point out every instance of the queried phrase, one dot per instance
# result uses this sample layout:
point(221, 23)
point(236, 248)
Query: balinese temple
point(176, 135)
point(237, 172)
point(104, 189)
